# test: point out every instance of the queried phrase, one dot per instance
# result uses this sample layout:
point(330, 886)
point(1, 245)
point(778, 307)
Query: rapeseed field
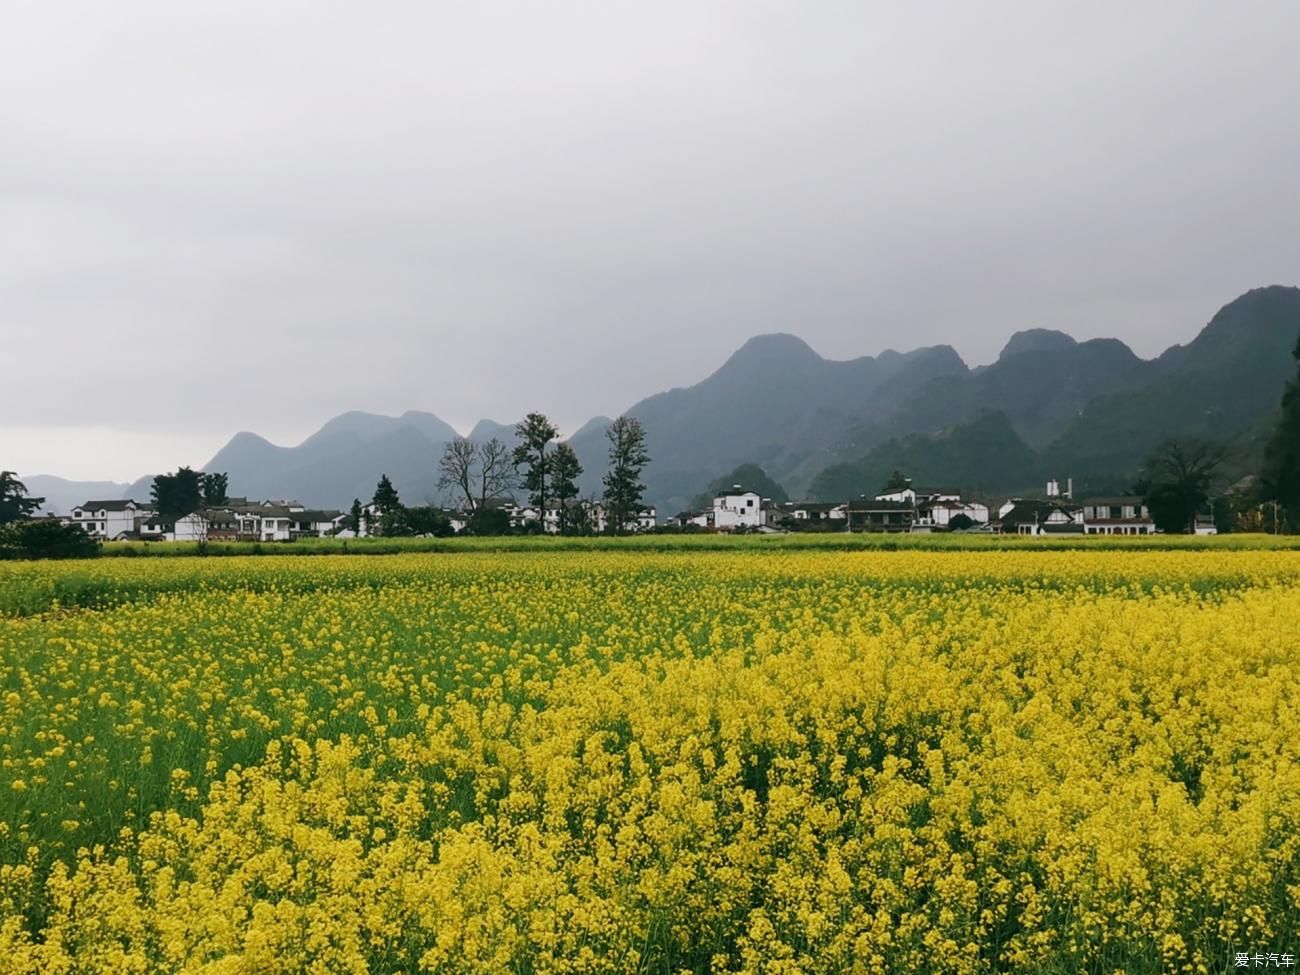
point(660, 762)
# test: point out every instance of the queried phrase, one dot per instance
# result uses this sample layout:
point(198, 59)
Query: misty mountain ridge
point(1036, 340)
point(1091, 409)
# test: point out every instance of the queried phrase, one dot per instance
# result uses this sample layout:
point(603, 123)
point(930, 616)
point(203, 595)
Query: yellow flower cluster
point(636, 762)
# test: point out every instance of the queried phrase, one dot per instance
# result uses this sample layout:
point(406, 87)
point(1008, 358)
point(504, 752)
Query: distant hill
point(340, 461)
point(774, 402)
point(1048, 405)
point(1036, 340)
point(1094, 410)
point(344, 458)
point(485, 430)
point(62, 495)
point(982, 457)
point(1225, 384)
point(1039, 386)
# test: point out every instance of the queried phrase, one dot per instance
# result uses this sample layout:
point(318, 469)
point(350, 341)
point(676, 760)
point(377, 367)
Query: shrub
point(44, 539)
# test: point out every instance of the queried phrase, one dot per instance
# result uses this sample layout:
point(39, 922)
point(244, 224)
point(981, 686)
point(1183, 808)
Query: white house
point(903, 495)
point(522, 517)
point(737, 508)
point(314, 522)
point(576, 510)
point(812, 511)
point(551, 517)
point(154, 529)
point(243, 521)
point(1124, 515)
point(275, 524)
point(699, 519)
point(644, 520)
point(109, 519)
point(190, 528)
point(1021, 516)
point(258, 521)
point(939, 513)
point(914, 495)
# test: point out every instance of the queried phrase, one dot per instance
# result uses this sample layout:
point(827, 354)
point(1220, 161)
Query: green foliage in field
point(696, 760)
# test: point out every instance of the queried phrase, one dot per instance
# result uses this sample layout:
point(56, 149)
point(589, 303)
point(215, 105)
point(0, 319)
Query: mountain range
point(1048, 406)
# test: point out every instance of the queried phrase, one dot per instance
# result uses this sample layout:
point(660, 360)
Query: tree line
point(481, 476)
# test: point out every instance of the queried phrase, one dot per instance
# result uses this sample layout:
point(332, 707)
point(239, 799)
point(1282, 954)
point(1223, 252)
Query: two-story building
point(275, 524)
point(1122, 515)
point(109, 520)
point(737, 508)
point(877, 515)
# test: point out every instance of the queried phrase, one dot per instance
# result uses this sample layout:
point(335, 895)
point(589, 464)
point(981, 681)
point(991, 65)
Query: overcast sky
point(256, 216)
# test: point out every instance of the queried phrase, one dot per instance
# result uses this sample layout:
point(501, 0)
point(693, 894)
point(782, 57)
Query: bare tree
point(1177, 481)
point(456, 469)
point(496, 471)
point(478, 473)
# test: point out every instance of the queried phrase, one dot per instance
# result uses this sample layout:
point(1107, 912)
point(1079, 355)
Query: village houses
point(591, 513)
point(237, 520)
point(897, 509)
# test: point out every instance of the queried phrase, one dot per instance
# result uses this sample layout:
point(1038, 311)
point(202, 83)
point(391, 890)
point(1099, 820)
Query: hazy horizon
point(251, 218)
point(170, 447)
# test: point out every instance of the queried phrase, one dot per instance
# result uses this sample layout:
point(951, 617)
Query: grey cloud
point(255, 216)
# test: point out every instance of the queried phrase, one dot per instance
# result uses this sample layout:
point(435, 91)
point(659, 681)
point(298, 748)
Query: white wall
point(191, 528)
point(102, 523)
point(735, 510)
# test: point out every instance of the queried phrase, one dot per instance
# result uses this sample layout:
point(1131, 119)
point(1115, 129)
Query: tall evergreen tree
point(354, 516)
point(389, 506)
point(623, 487)
point(565, 471)
point(535, 433)
point(177, 495)
point(1281, 474)
point(15, 504)
point(215, 487)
